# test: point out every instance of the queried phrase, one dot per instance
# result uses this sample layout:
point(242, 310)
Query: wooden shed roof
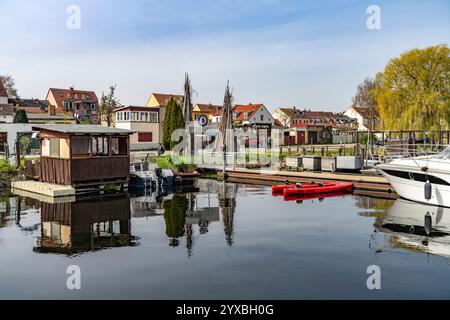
point(82, 129)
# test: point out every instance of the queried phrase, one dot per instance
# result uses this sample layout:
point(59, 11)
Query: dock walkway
point(44, 189)
point(369, 185)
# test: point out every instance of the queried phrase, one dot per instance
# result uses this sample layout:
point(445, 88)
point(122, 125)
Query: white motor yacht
point(424, 179)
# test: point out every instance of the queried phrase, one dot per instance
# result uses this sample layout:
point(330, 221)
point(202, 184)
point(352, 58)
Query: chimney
point(71, 89)
point(51, 110)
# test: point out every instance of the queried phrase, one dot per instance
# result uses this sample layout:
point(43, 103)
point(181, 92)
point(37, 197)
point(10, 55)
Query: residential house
point(143, 121)
point(42, 112)
point(252, 115)
point(3, 94)
point(81, 104)
point(292, 116)
point(308, 133)
point(212, 112)
point(366, 120)
point(160, 100)
point(6, 113)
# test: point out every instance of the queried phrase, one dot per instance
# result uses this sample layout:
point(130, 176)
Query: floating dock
point(376, 186)
point(44, 189)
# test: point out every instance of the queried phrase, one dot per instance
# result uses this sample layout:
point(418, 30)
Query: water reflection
point(416, 227)
point(86, 225)
point(182, 211)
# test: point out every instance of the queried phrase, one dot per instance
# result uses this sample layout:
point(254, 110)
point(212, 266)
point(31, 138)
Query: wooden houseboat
point(83, 155)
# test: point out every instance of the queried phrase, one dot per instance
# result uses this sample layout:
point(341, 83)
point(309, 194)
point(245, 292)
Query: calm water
point(237, 243)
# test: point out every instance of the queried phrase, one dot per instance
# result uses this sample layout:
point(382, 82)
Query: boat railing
point(413, 150)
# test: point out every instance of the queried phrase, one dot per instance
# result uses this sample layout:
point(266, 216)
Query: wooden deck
point(375, 185)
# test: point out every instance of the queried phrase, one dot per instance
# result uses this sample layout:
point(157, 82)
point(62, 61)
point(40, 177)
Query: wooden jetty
point(376, 185)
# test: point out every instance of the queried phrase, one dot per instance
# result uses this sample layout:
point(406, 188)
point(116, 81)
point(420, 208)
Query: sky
point(308, 54)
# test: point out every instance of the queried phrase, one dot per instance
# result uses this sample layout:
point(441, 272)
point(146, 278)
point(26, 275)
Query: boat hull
point(340, 186)
point(413, 189)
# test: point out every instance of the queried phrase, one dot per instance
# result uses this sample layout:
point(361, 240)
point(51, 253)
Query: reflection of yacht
point(86, 225)
point(416, 226)
point(409, 177)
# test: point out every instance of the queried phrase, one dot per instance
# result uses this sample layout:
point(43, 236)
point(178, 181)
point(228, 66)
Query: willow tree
point(413, 91)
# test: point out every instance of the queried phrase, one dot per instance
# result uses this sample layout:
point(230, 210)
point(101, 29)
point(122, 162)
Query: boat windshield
point(444, 154)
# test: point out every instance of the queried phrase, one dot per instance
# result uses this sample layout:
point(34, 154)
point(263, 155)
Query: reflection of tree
point(227, 202)
point(377, 206)
point(175, 217)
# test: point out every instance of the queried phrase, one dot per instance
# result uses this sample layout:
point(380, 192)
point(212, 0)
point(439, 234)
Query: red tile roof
point(211, 109)
point(163, 98)
point(314, 125)
point(73, 95)
point(245, 112)
point(3, 92)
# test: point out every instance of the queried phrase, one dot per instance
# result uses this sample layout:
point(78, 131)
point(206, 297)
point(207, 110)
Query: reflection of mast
point(189, 229)
point(189, 239)
point(227, 203)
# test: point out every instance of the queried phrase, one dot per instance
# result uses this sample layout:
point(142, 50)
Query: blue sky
point(311, 54)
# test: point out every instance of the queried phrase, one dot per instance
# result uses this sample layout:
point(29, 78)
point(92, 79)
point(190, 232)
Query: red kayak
point(325, 188)
point(278, 189)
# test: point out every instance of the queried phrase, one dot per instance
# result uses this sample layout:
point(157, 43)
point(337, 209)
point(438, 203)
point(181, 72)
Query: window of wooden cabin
point(119, 146)
point(100, 146)
point(81, 146)
point(53, 148)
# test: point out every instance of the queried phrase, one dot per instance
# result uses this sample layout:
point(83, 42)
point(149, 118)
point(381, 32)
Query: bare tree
point(365, 98)
point(108, 103)
point(10, 86)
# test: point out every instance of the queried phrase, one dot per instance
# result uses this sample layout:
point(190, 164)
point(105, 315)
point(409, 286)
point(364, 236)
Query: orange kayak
point(325, 188)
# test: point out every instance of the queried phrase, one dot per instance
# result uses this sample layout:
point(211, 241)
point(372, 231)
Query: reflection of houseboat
point(417, 227)
point(86, 225)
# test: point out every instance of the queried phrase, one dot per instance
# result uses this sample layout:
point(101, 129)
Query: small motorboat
point(319, 188)
point(141, 176)
point(279, 189)
point(168, 178)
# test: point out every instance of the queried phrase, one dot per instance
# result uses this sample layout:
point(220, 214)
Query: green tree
point(25, 143)
point(413, 91)
point(167, 132)
point(20, 117)
point(173, 120)
point(10, 86)
point(178, 122)
point(108, 103)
